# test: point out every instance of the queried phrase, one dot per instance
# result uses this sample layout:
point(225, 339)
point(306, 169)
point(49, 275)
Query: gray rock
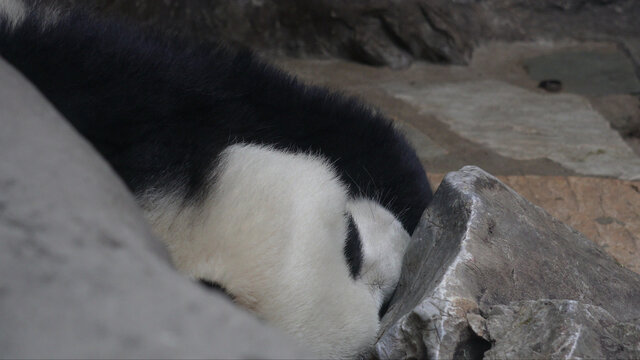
point(425, 147)
point(525, 125)
point(82, 276)
point(390, 32)
point(595, 73)
point(622, 111)
point(480, 244)
point(559, 329)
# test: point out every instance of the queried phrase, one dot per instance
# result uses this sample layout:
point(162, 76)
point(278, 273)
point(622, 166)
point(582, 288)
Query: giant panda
point(297, 201)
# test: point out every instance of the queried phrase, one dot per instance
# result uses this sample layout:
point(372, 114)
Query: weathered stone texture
point(526, 125)
point(384, 32)
point(558, 329)
point(480, 244)
point(606, 211)
point(82, 276)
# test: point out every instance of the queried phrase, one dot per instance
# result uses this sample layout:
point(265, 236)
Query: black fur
point(353, 249)
point(161, 110)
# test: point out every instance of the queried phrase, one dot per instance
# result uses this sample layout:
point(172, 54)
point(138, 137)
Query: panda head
point(282, 235)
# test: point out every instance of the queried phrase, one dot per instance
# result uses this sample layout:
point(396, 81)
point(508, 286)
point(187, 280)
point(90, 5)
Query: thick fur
point(276, 244)
point(12, 13)
point(251, 178)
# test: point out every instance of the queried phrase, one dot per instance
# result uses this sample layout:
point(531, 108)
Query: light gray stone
point(559, 329)
point(425, 147)
point(524, 125)
point(480, 244)
point(82, 276)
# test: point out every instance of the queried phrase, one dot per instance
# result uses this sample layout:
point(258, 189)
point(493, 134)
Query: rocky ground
point(488, 274)
point(571, 148)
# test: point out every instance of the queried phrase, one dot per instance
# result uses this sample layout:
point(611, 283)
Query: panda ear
point(353, 248)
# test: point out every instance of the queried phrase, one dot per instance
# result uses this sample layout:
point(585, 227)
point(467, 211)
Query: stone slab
point(425, 147)
point(480, 244)
point(524, 125)
point(82, 275)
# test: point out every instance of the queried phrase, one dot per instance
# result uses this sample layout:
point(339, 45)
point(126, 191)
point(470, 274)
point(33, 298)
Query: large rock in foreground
point(479, 252)
point(565, 329)
point(82, 276)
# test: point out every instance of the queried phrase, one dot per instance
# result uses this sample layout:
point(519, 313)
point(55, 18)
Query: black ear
point(353, 248)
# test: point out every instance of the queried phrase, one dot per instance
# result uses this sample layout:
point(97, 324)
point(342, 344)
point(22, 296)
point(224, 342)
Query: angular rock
point(82, 275)
point(480, 244)
point(388, 32)
point(606, 211)
point(560, 329)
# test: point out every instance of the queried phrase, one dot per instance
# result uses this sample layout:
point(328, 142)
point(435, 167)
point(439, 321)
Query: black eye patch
point(353, 248)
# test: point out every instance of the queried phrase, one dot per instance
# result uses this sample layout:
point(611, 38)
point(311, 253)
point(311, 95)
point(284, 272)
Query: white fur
point(272, 232)
point(384, 242)
point(13, 12)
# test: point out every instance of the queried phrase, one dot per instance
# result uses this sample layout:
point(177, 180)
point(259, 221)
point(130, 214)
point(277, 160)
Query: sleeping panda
point(297, 201)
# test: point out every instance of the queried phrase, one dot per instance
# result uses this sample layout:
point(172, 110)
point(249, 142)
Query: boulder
point(82, 275)
point(561, 329)
point(384, 32)
point(484, 257)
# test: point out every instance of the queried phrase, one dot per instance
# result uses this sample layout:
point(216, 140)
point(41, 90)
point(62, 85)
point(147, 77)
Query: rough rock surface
point(82, 276)
point(558, 329)
point(606, 211)
point(389, 32)
point(479, 245)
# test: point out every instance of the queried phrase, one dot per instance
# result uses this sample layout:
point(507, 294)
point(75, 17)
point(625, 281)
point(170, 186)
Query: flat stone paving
point(557, 149)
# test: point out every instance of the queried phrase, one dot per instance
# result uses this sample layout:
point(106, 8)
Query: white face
point(273, 232)
point(384, 242)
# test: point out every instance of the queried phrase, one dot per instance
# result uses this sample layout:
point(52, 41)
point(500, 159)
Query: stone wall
point(383, 32)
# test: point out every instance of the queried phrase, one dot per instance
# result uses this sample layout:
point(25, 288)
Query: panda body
point(296, 200)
